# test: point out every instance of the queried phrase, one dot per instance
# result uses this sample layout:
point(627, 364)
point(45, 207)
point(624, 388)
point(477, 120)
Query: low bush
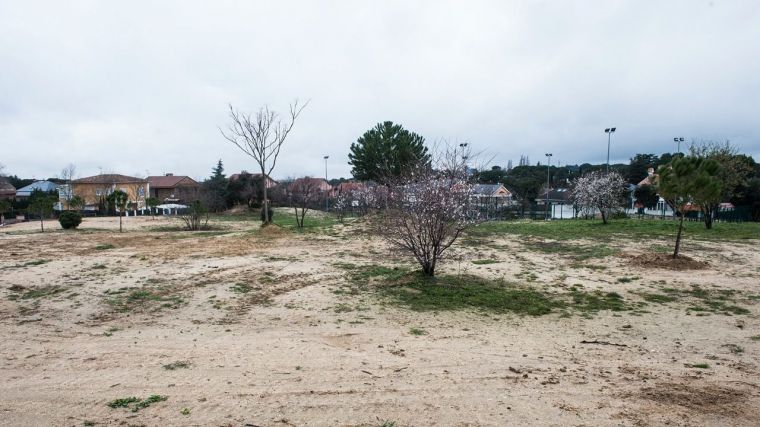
point(70, 220)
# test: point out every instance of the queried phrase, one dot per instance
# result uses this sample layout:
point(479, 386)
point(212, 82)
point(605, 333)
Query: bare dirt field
point(272, 327)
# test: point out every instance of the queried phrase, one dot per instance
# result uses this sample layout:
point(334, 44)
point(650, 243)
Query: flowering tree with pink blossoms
point(605, 192)
point(428, 208)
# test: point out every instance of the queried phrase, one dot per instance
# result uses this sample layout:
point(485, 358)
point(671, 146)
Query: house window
point(99, 192)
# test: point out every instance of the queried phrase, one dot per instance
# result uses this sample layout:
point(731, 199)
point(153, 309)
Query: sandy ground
point(267, 341)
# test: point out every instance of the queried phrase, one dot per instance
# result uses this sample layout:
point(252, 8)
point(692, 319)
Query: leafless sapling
point(261, 137)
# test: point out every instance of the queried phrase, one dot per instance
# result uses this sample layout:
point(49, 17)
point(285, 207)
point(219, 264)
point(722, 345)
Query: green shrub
point(70, 220)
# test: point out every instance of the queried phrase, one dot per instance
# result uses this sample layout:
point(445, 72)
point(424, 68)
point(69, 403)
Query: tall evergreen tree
point(385, 151)
point(218, 171)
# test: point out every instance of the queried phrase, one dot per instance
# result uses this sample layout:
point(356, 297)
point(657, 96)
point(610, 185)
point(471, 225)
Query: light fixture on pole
point(548, 163)
point(678, 141)
point(609, 132)
point(464, 156)
point(327, 194)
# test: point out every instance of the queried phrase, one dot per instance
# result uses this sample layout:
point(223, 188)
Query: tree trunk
point(708, 213)
point(604, 217)
point(678, 237)
point(428, 269)
point(42, 223)
point(266, 200)
point(120, 222)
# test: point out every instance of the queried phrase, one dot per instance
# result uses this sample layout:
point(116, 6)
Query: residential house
point(491, 194)
point(173, 189)
point(44, 186)
point(560, 201)
point(662, 208)
point(319, 185)
point(7, 190)
point(94, 189)
point(349, 186)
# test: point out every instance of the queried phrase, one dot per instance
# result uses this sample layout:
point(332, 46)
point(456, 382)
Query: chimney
point(169, 174)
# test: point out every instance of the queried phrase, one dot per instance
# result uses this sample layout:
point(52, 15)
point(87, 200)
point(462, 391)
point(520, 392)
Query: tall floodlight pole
point(327, 194)
point(464, 157)
point(548, 163)
point(678, 141)
point(609, 132)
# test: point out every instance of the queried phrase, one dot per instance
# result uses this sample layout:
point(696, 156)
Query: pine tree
point(386, 151)
point(218, 171)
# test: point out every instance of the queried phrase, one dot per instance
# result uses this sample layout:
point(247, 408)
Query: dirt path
point(265, 337)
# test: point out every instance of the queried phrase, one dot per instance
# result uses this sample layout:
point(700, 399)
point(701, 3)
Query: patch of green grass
point(698, 365)
point(442, 293)
point(176, 365)
point(576, 252)
point(266, 277)
point(656, 298)
point(109, 332)
point(104, 247)
point(314, 221)
point(626, 279)
point(28, 264)
point(123, 402)
point(417, 331)
point(620, 228)
point(99, 267)
point(362, 274)
point(755, 338)
point(699, 299)
point(149, 401)
point(343, 308)
point(485, 261)
point(185, 411)
point(388, 424)
point(46, 291)
point(597, 301)
point(132, 299)
point(241, 288)
point(467, 292)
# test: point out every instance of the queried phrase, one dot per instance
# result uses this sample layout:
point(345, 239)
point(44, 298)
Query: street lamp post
point(548, 163)
point(327, 194)
point(678, 141)
point(464, 156)
point(609, 132)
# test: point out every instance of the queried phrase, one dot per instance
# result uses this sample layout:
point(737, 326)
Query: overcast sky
point(139, 87)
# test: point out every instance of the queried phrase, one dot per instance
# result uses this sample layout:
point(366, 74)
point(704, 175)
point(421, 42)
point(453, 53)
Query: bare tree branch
point(261, 137)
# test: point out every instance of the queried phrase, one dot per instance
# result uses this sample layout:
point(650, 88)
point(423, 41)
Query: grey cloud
point(142, 86)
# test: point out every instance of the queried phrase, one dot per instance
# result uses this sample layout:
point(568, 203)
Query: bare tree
point(304, 193)
point(261, 137)
point(600, 191)
point(429, 208)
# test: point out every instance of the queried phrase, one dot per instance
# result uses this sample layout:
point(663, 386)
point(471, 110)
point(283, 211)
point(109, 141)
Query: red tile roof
point(108, 178)
point(170, 181)
point(6, 188)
